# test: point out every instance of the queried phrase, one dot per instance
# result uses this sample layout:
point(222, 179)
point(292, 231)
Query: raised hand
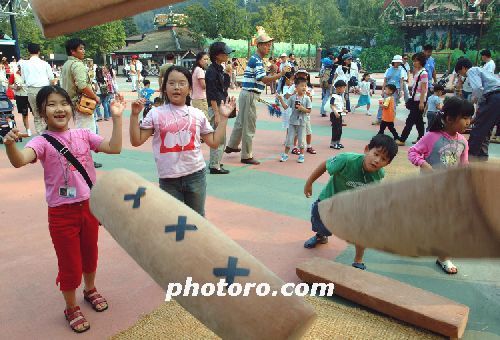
point(117, 106)
point(229, 106)
point(138, 106)
point(11, 137)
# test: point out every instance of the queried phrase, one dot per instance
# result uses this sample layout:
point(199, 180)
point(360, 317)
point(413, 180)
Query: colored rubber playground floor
point(263, 208)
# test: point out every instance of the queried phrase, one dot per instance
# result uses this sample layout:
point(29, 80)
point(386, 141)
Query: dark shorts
point(317, 224)
point(22, 105)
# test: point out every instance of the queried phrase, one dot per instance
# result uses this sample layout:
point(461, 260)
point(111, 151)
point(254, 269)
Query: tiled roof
point(417, 3)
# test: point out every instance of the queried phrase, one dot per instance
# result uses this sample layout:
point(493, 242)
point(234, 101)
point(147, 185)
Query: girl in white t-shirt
point(177, 128)
point(364, 98)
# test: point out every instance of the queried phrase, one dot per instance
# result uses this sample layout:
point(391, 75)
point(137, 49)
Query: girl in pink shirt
point(177, 129)
point(72, 226)
point(198, 94)
point(444, 146)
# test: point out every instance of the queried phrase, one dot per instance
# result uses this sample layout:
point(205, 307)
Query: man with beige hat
point(254, 82)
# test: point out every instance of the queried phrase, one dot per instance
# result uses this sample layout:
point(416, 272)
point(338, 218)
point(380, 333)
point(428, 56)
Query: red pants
point(73, 230)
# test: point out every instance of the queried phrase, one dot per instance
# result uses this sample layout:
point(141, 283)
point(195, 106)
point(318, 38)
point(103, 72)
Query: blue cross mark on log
point(180, 228)
point(136, 197)
point(231, 271)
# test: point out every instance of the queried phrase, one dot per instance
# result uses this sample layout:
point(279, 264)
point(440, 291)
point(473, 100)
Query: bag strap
point(416, 85)
point(63, 150)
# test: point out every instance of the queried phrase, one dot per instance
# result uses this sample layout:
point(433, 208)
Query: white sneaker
point(368, 113)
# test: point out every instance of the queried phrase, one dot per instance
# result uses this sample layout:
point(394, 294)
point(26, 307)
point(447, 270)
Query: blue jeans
point(317, 224)
point(105, 100)
point(190, 189)
point(325, 95)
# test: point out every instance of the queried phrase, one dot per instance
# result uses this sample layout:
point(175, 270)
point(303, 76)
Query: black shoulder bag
point(70, 157)
point(410, 103)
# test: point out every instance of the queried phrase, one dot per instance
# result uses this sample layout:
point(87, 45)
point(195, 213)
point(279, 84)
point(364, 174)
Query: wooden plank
point(446, 213)
point(394, 298)
point(57, 17)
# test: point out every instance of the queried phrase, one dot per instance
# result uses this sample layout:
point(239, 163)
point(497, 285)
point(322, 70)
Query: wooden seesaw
point(171, 242)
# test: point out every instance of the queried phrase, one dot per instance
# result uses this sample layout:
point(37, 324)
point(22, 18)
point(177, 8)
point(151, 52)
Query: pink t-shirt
point(424, 79)
point(176, 139)
point(440, 150)
point(79, 142)
point(198, 92)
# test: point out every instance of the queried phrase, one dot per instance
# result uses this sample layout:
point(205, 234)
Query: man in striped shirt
point(254, 82)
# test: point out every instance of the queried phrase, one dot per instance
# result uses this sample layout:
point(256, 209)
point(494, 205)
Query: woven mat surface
point(334, 321)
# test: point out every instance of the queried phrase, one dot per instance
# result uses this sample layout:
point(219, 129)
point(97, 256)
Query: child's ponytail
point(438, 122)
point(453, 108)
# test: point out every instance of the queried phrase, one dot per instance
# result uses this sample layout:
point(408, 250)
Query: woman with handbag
point(416, 102)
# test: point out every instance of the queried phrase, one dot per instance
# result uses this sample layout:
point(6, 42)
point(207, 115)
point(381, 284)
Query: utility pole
point(14, 31)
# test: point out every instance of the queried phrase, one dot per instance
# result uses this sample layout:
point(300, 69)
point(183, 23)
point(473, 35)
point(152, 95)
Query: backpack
point(353, 81)
point(325, 77)
point(144, 73)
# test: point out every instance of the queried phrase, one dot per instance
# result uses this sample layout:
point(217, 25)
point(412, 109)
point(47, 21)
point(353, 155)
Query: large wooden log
point(171, 242)
point(58, 17)
point(447, 213)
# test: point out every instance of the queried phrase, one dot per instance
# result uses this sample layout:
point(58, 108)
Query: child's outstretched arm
point(215, 138)
point(283, 103)
point(17, 158)
point(320, 170)
point(138, 136)
point(114, 145)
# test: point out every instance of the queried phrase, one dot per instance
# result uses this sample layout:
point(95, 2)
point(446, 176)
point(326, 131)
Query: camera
point(4, 128)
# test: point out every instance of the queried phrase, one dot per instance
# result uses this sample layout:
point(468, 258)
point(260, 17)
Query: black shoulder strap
point(69, 156)
point(416, 85)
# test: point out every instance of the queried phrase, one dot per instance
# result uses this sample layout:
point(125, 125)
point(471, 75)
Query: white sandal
point(447, 266)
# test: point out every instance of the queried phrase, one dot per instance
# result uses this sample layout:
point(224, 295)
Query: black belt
point(491, 93)
point(253, 91)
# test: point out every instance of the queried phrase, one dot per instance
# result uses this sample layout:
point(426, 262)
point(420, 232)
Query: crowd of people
point(194, 107)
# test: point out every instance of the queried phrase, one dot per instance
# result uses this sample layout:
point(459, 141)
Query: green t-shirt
point(346, 173)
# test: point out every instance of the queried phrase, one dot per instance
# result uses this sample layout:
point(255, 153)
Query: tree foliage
point(130, 26)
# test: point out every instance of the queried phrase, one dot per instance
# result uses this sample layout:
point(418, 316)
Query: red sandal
point(75, 319)
point(311, 150)
point(94, 298)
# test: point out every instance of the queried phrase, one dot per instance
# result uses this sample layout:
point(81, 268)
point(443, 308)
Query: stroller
point(7, 121)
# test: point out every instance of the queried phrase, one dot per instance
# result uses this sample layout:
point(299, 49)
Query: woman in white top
point(343, 72)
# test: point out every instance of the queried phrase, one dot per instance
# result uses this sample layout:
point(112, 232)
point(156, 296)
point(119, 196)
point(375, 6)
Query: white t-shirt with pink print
point(176, 139)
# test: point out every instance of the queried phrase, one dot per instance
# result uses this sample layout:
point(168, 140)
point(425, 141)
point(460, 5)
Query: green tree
point(199, 24)
point(103, 39)
point(310, 33)
point(276, 20)
point(330, 21)
point(29, 32)
point(130, 26)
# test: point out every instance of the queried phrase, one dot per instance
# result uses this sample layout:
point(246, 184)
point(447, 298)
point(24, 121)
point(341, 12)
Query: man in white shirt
point(489, 64)
point(37, 73)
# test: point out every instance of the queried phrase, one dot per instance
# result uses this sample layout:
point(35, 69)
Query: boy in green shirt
point(349, 171)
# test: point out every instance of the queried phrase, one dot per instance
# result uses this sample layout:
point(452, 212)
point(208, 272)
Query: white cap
point(283, 55)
